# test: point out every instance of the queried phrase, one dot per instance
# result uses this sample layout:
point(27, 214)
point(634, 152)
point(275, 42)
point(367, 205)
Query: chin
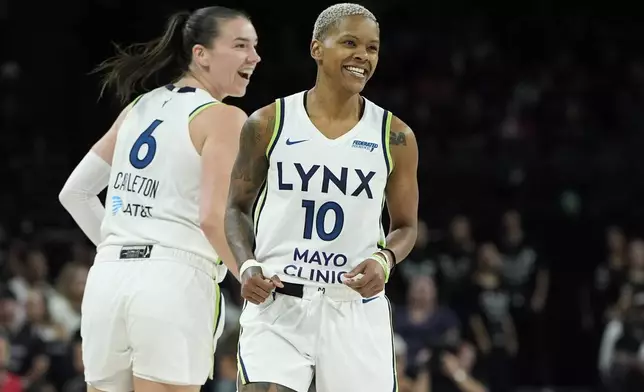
point(354, 88)
point(237, 93)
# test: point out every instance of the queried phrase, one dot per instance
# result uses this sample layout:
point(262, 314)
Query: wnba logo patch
point(364, 145)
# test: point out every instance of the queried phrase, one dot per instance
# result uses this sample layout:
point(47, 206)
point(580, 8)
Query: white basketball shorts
point(152, 312)
point(347, 341)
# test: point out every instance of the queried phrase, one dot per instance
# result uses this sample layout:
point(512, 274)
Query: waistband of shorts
point(133, 253)
point(338, 292)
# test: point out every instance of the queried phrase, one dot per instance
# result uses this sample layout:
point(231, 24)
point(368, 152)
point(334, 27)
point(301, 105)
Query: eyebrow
point(246, 40)
point(373, 41)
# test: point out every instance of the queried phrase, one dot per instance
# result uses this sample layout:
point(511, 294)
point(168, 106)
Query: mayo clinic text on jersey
point(308, 259)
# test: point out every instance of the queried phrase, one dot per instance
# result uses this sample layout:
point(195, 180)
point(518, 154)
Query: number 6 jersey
point(153, 193)
point(318, 214)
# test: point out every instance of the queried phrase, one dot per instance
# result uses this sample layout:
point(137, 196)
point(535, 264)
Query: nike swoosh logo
point(290, 143)
point(367, 300)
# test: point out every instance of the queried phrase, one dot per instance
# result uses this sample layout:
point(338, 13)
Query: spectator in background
point(622, 352)
point(9, 382)
point(609, 275)
point(405, 383)
point(422, 323)
point(450, 371)
point(226, 360)
point(30, 359)
point(527, 278)
point(31, 274)
point(418, 262)
point(82, 252)
point(490, 321)
point(9, 324)
point(76, 382)
point(65, 304)
point(633, 284)
point(456, 261)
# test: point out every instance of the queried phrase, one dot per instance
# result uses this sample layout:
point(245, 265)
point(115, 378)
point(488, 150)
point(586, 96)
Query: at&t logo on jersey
point(117, 204)
point(131, 209)
point(369, 146)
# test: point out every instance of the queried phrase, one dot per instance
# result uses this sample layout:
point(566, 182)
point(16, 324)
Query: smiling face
point(347, 55)
point(232, 57)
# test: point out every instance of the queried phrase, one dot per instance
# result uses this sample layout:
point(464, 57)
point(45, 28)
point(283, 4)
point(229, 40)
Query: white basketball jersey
point(319, 213)
point(153, 193)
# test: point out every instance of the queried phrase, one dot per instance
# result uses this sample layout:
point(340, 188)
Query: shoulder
point(400, 134)
point(219, 114)
point(402, 145)
point(261, 124)
point(265, 115)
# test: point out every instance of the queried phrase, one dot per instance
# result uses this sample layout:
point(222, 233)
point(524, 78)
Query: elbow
point(212, 224)
point(65, 197)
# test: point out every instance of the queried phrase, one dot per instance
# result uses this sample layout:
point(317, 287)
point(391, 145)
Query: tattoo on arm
point(248, 175)
point(264, 387)
point(397, 138)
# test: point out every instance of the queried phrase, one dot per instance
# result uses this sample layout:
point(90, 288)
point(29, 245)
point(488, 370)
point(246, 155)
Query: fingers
point(263, 283)
point(358, 270)
point(277, 282)
point(257, 288)
point(355, 282)
point(259, 291)
point(254, 299)
point(368, 286)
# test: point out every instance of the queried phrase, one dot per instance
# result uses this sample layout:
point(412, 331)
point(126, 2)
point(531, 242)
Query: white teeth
point(356, 71)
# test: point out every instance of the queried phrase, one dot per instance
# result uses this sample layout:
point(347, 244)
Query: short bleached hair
point(332, 16)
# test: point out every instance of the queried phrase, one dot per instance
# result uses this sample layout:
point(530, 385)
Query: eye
point(373, 48)
point(240, 46)
point(350, 42)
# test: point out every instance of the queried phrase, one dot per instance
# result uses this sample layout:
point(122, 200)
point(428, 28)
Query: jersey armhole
point(200, 109)
point(386, 129)
point(277, 129)
point(136, 100)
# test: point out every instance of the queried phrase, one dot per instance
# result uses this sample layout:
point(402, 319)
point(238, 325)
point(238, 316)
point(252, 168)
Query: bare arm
point(402, 190)
point(219, 127)
point(470, 384)
point(512, 343)
point(481, 336)
point(79, 194)
point(248, 175)
point(540, 295)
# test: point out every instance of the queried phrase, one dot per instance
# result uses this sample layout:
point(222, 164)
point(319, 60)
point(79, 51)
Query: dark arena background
point(531, 137)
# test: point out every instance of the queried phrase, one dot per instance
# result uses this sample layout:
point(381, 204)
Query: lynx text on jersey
point(134, 183)
point(355, 182)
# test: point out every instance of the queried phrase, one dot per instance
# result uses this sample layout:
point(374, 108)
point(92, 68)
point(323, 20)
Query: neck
point(193, 79)
point(335, 103)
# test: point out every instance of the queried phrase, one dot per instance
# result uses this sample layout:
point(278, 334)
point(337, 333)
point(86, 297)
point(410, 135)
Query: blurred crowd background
point(528, 271)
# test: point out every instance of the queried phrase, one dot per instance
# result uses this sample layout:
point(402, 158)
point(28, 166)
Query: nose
point(360, 53)
point(254, 57)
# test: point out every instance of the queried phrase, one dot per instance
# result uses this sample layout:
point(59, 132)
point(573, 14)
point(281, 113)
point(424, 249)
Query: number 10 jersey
point(318, 214)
